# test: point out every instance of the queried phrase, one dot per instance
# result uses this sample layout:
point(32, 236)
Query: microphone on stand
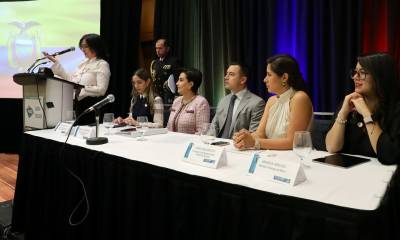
point(109, 99)
point(95, 107)
point(42, 63)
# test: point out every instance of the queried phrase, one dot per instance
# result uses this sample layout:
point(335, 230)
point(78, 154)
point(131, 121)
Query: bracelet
point(340, 120)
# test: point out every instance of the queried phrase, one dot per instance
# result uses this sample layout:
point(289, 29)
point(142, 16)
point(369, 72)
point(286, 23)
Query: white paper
point(204, 155)
point(171, 83)
point(275, 169)
point(63, 128)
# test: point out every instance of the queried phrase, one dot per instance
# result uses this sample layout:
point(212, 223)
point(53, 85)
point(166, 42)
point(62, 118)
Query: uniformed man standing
point(163, 71)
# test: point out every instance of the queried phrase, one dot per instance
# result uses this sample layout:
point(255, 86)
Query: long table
point(143, 190)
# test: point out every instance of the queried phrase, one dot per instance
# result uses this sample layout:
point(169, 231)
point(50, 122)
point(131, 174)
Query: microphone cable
point(84, 198)
point(40, 103)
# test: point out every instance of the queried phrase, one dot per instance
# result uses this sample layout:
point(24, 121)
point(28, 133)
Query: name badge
point(273, 168)
point(62, 128)
point(84, 132)
point(205, 155)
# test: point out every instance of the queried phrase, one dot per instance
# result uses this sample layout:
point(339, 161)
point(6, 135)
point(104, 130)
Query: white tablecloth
point(360, 187)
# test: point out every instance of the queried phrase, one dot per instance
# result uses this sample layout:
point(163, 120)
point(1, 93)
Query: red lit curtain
point(381, 27)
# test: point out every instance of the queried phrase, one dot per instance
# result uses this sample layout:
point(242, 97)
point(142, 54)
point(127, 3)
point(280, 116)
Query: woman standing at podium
point(93, 73)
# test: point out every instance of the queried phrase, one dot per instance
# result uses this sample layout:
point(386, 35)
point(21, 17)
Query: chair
point(321, 124)
point(167, 111)
point(212, 112)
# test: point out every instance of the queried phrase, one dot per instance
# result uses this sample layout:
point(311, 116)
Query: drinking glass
point(108, 121)
point(142, 120)
point(302, 144)
point(207, 133)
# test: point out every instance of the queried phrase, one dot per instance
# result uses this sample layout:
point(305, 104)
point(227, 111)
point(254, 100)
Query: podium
point(46, 100)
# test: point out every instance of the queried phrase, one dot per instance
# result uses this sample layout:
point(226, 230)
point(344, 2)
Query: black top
point(160, 71)
point(388, 146)
point(142, 108)
point(356, 140)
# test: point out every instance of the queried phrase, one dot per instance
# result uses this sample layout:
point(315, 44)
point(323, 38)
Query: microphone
point(63, 51)
point(109, 99)
point(54, 54)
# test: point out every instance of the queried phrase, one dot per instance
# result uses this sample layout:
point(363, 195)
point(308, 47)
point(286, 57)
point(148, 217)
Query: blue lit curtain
point(323, 35)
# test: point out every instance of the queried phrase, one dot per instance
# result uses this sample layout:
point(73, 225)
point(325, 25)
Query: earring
point(283, 84)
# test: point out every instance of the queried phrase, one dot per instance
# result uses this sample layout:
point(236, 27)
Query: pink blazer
point(189, 118)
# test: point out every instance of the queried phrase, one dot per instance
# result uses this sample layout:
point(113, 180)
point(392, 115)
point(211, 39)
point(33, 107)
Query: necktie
point(228, 121)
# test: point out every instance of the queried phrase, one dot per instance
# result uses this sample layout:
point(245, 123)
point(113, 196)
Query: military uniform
point(160, 71)
point(141, 108)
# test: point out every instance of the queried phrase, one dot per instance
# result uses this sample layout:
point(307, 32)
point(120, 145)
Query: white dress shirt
point(239, 97)
point(93, 73)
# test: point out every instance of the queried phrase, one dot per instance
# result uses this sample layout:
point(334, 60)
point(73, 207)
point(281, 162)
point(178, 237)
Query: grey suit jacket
point(247, 115)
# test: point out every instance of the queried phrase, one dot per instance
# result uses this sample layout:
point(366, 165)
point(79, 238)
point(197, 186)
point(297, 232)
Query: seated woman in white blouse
point(93, 73)
point(144, 102)
point(288, 111)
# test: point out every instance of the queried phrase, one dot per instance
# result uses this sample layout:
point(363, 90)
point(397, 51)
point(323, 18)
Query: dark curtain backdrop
point(323, 35)
point(120, 28)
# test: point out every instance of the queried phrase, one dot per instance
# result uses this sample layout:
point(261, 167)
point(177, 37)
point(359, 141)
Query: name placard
point(62, 128)
point(84, 132)
point(205, 155)
point(277, 170)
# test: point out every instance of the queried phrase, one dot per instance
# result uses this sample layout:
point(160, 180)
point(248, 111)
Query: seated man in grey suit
point(239, 109)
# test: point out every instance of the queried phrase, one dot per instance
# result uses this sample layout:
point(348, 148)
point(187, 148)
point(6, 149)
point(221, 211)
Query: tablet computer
point(341, 160)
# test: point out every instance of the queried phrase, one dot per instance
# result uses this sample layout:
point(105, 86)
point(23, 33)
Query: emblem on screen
point(23, 46)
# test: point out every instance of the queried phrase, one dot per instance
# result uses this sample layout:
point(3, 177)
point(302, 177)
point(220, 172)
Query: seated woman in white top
point(93, 73)
point(144, 102)
point(288, 111)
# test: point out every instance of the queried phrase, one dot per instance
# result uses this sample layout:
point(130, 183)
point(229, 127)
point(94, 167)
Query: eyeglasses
point(83, 46)
point(361, 74)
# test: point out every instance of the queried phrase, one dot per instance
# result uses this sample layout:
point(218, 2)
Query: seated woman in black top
point(368, 122)
point(144, 102)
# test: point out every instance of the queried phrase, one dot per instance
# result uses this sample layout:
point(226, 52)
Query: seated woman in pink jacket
point(190, 111)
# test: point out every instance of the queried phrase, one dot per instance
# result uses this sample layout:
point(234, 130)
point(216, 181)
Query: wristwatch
point(368, 119)
point(257, 142)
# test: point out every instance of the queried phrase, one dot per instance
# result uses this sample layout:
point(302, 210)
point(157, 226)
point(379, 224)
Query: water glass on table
point(302, 144)
point(142, 128)
point(108, 121)
point(207, 133)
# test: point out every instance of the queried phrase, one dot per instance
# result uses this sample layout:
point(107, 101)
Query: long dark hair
point(150, 93)
point(283, 63)
point(95, 43)
point(383, 70)
point(193, 75)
